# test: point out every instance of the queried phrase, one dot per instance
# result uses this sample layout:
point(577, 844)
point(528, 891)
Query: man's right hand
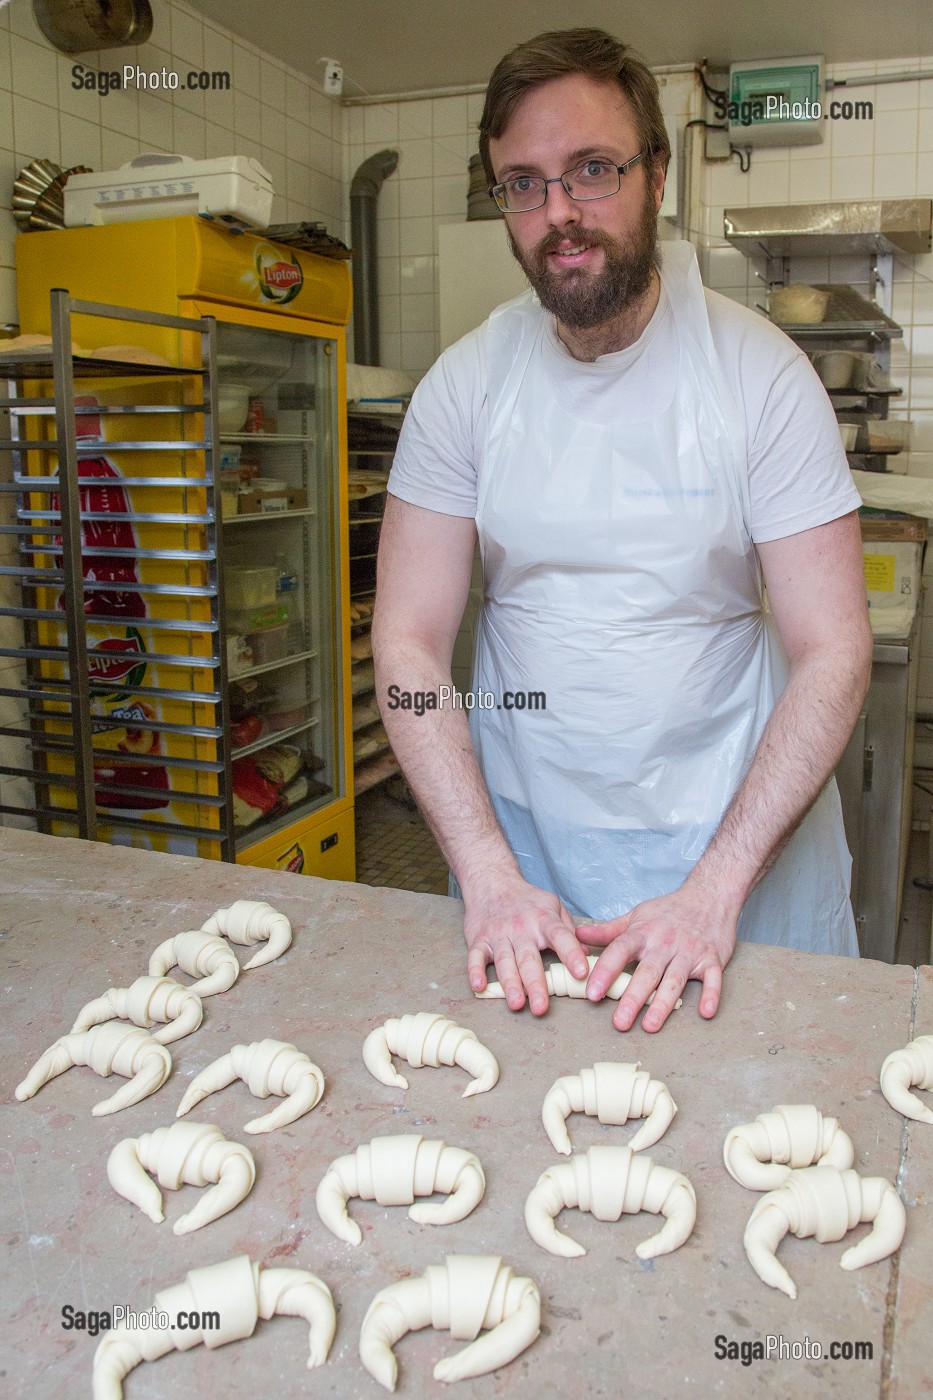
point(509, 924)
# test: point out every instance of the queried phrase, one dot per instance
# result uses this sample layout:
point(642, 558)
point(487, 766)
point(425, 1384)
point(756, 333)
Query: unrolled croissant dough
point(561, 983)
point(909, 1068)
point(193, 1153)
point(762, 1154)
point(144, 1002)
point(240, 1292)
point(394, 1170)
point(826, 1203)
point(467, 1293)
point(424, 1038)
point(609, 1182)
point(113, 1048)
point(267, 1067)
point(613, 1093)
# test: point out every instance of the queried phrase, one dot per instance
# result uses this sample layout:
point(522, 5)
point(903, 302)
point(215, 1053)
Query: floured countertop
point(76, 918)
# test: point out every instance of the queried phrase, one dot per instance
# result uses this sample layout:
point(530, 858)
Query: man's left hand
point(673, 938)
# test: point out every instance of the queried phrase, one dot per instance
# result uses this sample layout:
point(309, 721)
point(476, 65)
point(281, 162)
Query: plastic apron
point(621, 580)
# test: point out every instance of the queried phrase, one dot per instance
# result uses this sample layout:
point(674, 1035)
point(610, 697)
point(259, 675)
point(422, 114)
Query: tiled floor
point(394, 846)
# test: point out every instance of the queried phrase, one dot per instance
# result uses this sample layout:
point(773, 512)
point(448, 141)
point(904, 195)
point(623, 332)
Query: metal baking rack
point(79, 789)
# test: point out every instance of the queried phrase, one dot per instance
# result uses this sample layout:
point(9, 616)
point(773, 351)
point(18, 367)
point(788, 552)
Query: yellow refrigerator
point(275, 534)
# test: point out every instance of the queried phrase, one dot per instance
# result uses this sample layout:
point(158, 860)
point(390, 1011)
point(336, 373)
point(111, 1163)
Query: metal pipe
point(364, 194)
point(869, 80)
point(371, 99)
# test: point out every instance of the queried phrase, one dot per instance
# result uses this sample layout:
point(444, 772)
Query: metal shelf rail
point(78, 788)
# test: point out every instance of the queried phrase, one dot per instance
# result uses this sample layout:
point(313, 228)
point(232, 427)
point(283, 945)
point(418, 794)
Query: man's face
point(589, 261)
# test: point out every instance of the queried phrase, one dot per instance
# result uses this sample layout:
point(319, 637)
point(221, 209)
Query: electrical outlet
point(717, 145)
point(333, 77)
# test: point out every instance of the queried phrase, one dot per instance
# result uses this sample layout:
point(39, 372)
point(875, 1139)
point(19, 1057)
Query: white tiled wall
point(270, 112)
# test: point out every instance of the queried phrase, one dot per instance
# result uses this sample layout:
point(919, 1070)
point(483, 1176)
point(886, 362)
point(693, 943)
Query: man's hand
point(509, 924)
point(673, 938)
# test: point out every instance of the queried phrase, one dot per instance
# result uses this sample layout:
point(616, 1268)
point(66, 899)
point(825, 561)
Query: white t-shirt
point(797, 470)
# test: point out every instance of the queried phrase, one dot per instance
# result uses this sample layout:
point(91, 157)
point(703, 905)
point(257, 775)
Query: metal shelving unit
point(372, 438)
point(169, 775)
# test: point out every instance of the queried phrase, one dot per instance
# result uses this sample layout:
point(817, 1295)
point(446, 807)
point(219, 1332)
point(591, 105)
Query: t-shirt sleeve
point(435, 461)
point(798, 473)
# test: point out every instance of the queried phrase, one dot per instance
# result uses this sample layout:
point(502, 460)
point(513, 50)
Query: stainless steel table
point(77, 918)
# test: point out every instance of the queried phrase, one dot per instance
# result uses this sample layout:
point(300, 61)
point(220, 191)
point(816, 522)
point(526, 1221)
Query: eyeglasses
point(592, 179)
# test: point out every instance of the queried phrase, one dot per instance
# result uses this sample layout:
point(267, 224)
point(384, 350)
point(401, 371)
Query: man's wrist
point(488, 865)
point(720, 884)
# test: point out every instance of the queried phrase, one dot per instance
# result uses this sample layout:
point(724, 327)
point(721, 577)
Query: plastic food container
point(797, 305)
point(246, 620)
point(250, 588)
point(888, 434)
point(271, 644)
point(836, 368)
point(160, 186)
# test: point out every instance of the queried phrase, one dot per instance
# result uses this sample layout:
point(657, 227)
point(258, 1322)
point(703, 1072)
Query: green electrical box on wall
point(776, 102)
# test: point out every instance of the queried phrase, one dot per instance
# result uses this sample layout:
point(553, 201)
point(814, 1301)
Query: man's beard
point(583, 300)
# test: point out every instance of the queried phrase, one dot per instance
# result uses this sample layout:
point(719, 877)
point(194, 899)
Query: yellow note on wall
point(880, 571)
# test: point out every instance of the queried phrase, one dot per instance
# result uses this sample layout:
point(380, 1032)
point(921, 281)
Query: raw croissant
point(762, 1154)
point(114, 1048)
point(912, 1066)
point(239, 1292)
point(610, 1182)
point(195, 1153)
point(201, 955)
point(560, 983)
point(144, 1002)
point(614, 1093)
point(267, 1067)
point(393, 1171)
point(250, 921)
point(426, 1039)
point(465, 1294)
point(826, 1203)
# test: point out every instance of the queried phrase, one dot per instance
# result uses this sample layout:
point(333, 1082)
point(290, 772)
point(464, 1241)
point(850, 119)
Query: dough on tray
point(613, 1093)
point(762, 1154)
point(113, 1048)
point(424, 1038)
point(267, 1067)
point(465, 1294)
point(905, 1069)
point(826, 1203)
point(144, 1002)
point(609, 1182)
point(394, 1170)
point(193, 1153)
point(240, 1292)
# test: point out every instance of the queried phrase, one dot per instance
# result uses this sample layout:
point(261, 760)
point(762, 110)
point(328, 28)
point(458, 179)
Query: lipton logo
point(122, 663)
point(280, 279)
point(292, 860)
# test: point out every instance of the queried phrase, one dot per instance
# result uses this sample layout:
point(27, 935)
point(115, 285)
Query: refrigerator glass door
point(279, 475)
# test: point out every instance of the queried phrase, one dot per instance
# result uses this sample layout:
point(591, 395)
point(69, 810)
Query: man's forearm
point(798, 751)
point(439, 761)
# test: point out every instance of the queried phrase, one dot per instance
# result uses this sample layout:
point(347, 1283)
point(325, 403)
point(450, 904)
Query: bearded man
point(637, 457)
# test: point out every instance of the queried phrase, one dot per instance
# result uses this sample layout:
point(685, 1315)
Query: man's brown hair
point(595, 54)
